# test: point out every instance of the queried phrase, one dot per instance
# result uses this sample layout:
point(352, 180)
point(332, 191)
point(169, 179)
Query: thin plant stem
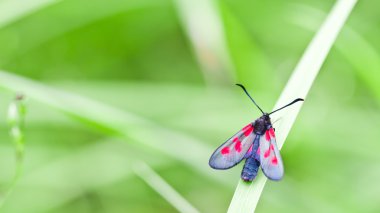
point(16, 117)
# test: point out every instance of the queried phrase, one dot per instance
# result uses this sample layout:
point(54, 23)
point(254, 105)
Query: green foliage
point(112, 82)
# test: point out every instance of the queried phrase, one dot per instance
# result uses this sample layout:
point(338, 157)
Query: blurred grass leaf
point(204, 28)
point(62, 18)
point(363, 57)
point(246, 55)
point(162, 187)
point(115, 122)
point(94, 166)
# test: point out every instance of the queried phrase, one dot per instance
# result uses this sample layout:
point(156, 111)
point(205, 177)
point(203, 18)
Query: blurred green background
point(161, 74)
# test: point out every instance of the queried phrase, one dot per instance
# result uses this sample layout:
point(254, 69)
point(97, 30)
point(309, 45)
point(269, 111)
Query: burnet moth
point(256, 143)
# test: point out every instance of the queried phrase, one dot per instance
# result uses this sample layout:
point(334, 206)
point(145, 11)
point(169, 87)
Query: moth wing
point(233, 150)
point(270, 158)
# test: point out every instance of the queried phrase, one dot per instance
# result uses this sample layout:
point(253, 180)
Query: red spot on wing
point(258, 151)
point(271, 147)
point(225, 150)
point(267, 153)
point(248, 129)
point(238, 146)
point(267, 136)
point(271, 132)
point(274, 160)
point(249, 126)
point(235, 140)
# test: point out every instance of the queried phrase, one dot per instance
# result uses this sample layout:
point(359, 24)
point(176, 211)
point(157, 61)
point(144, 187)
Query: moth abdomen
point(250, 169)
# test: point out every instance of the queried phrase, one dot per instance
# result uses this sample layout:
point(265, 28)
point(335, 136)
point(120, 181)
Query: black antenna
point(250, 97)
point(298, 99)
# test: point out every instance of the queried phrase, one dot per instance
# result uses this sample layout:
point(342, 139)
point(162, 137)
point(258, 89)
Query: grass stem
point(247, 195)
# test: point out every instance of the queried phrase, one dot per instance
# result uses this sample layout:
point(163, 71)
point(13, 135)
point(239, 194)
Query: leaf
point(247, 57)
point(116, 122)
point(201, 21)
point(358, 52)
point(162, 187)
point(246, 195)
point(57, 181)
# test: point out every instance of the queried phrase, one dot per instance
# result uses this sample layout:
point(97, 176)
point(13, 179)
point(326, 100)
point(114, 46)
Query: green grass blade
point(359, 52)
point(246, 195)
point(204, 28)
point(72, 19)
point(116, 122)
point(162, 187)
point(246, 54)
point(60, 175)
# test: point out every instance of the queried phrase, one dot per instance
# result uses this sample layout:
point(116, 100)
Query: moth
point(256, 143)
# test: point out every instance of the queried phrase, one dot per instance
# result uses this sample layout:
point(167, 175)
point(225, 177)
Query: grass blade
point(162, 187)
point(203, 25)
point(72, 19)
point(116, 122)
point(358, 51)
point(246, 54)
point(59, 175)
point(246, 195)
